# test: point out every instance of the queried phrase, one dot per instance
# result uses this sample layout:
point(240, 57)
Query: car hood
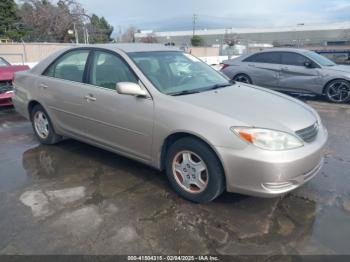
point(338, 68)
point(255, 107)
point(7, 72)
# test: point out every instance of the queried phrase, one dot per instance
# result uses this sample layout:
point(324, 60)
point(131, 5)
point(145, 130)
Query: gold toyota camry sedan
point(167, 109)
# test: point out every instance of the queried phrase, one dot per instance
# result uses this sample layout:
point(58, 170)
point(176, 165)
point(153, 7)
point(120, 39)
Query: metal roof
point(285, 49)
point(296, 28)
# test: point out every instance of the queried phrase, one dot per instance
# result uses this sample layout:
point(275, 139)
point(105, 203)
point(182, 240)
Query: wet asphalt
point(73, 198)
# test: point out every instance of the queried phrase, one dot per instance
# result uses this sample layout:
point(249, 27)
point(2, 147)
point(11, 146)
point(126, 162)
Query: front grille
point(5, 86)
point(308, 134)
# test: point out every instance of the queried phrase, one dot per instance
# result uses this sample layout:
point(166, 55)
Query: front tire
point(242, 78)
point(338, 91)
point(194, 171)
point(42, 126)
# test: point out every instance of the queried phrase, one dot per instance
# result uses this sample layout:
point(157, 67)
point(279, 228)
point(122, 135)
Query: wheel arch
point(242, 73)
point(31, 105)
point(172, 138)
point(330, 81)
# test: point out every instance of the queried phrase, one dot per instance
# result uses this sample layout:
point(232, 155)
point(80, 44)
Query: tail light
point(223, 66)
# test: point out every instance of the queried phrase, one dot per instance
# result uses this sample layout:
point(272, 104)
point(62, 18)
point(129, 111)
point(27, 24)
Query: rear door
point(60, 89)
point(295, 76)
point(263, 68)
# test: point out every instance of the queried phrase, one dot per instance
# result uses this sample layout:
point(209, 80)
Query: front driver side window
point(69, 66)
point(294, 59)
point(108, 69)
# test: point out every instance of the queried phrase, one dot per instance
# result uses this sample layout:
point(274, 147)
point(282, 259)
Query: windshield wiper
point(217, 86)
point(184, 92)
point(187, 92)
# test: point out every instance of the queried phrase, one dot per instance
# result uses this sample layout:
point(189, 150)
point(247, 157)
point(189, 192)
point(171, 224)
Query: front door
point(295, 76)
point(121, 122)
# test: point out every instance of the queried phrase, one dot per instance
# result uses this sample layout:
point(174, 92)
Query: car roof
point(286, 49)
point(124, 47)
point(135, 47)
point(275, 49)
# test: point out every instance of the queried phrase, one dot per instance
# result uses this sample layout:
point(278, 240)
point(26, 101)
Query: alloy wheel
point(242, 79)
point(339, 91)
point(41, 124)
point(190, 172)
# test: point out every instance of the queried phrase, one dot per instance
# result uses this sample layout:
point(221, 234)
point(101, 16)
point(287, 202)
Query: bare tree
point(230, 39)
point(150, 38)
point(129, 35)
point(48, 22)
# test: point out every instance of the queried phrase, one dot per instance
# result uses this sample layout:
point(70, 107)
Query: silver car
point(169, 110)
point(292, 70)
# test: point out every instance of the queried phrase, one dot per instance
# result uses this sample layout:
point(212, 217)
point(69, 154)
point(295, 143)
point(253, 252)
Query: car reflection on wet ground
point(73, 198)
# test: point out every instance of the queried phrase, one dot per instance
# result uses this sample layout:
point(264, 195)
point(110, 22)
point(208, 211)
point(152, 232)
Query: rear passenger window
point(295, 59)
point(108, 69)
point(267, 57)
point(70, 66)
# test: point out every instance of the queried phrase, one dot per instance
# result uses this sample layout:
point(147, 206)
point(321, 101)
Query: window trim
point(63, 54)
point(85, 76)
point(5, 61)
point(315, 65)
point(261, 53)
point(91, 59)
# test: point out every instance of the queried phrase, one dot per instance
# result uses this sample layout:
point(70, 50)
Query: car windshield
point(323, 61)
point(178, 73)
point(3, 62)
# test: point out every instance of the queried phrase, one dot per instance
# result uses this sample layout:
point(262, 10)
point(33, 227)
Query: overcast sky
point(177, 14)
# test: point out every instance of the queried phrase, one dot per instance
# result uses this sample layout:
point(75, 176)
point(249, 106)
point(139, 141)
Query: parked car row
point(168, 109)
point(292, 70)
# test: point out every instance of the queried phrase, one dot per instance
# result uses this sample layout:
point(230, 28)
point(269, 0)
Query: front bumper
point(263, 173)
point(6, 99)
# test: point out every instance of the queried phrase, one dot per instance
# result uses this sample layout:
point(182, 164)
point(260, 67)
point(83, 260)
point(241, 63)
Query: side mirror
point(130, 88)
point(308, 64)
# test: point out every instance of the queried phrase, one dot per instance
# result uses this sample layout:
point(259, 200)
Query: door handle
point(285, 69)
point(43, 86)
point(90, 97)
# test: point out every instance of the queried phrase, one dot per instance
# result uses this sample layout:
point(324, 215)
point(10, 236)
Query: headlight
point(268, 139)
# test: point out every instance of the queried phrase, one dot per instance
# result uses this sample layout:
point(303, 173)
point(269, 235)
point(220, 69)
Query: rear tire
point(42, 126)
point(194, 171)
point(242, 78)
point(338, 91)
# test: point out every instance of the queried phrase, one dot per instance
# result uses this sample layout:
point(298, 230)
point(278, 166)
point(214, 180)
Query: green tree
point(197, 40)
point(10, 26)
point(100, 30)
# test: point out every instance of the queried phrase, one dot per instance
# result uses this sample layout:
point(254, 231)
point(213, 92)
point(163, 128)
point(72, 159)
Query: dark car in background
point(7, 73)
point(292, 70)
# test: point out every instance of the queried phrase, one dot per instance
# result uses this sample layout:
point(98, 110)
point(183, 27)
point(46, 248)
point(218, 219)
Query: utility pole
point(194, 23)
point(76, 34)
point(299, 40)
point(87, 36)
